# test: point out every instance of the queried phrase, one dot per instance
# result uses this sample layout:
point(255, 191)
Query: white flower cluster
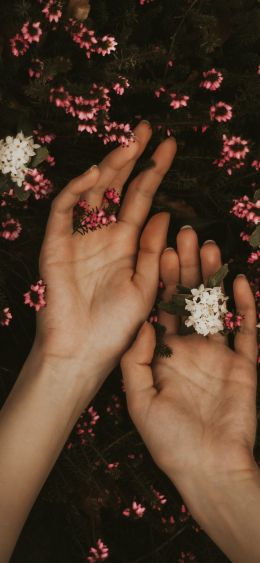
point(15, 153)
point(207, 310)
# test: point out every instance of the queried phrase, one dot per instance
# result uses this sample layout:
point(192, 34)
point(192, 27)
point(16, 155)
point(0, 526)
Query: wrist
point(84, 377)
point(226, 506)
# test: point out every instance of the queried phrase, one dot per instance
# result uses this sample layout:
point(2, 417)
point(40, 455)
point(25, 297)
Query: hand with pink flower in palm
point(101, 286)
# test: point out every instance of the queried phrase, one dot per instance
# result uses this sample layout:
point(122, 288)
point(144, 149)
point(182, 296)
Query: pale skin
point(196, 411)
point(101, 288)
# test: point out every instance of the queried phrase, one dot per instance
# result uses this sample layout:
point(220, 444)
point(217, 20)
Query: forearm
point(228, 511)
point(35, 421)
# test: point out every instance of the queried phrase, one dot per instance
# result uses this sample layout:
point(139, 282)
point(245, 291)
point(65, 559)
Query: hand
point(196, 410)
point(101, 286)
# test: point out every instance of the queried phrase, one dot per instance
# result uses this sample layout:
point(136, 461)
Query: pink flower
point(158, 92)
point(243, 208)
point(232, 322)
point(12, 229)
point(212, 79)
point(60, 97)
point(254, 257)
point(5, 316)
point(38, 184)
point(36, 68)
point(35, 297)
point(108, 44)
point(202, 128)
point(244, 236)
point(234, 147)
point(178, 101)
point(221, 112)
point(53, 11)
point(136, 510)
point(120, 86)
point(256, 164)
point(98, 553)
point(32, 32)
point(19, 46)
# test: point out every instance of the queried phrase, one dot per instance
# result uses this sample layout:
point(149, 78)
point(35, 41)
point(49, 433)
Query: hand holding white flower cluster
point(15, 153)
point(207, 310)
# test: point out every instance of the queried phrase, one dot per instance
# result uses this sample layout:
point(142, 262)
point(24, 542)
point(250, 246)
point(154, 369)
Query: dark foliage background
point(83, 500)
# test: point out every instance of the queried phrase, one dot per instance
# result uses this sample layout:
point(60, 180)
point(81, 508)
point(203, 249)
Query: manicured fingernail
point(240, 276)
point(209, 240)
point(147, 122)
point(185, 227)
point(168, 248)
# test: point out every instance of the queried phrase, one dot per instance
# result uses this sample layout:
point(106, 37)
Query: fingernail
point(209, 240)
point(168, 248)
point(240, 276)
point(92, 167)
point(147, 122)
point(185, 227)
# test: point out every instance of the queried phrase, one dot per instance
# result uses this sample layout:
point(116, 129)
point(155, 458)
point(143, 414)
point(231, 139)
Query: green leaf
point(3, 183)
point(257, 195)
point(21, 194)
point(183, 289)
point(218, 277)
point(255, 237)
point(41, 155)
point(176, 306)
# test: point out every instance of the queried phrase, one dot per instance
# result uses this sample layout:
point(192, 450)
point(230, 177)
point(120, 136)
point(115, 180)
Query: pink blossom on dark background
point(35, 297)
point(5, 316)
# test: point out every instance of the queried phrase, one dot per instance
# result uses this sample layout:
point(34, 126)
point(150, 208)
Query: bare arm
point(196, 410)
point(83, 330)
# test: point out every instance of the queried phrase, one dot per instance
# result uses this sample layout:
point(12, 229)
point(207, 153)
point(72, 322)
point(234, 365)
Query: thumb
point(137, 372)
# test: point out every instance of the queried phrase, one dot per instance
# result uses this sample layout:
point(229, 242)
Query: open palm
point(101, 286)
point(196, 408)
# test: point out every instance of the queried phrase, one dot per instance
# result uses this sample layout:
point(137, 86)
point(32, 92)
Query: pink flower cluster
point(136, 510)
point(31, 32)
point(160, 499)
point(43, 138)
point(212, 79)
point(11, 229)
point(86, 39)
point(178, 101)
point(35, 297)
point(88, 219)
point(84, 427)
point(232, 322)
point(5, 316)
point(120, 85)
point(53, 11)
point(233, 153)
point(220, 112)
point(87, 110)
point(244, 208)
point(98, 553)
point(40, 186)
